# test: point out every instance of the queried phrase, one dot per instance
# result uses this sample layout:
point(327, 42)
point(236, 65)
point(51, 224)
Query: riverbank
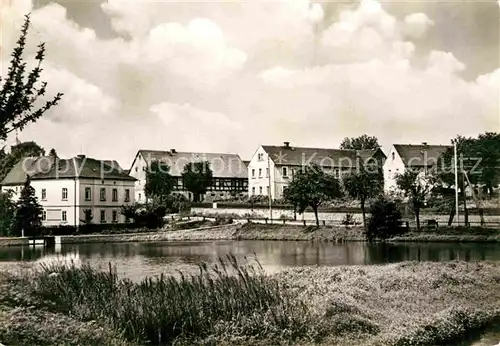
point(392, 305)
point(257, 231)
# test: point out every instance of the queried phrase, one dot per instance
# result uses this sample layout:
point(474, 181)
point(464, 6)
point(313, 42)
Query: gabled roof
point(46, 167)
point(31, 165)
point(298, 156)
point(419, 155)
point(222, 165)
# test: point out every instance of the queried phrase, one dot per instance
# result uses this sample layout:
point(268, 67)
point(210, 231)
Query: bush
point(385, 220)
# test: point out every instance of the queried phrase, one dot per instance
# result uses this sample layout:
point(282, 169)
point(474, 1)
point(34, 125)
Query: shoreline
point(274, 232)
point(393, 304)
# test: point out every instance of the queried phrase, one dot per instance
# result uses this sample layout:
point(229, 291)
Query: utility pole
point(456, 180)
point(269, 190)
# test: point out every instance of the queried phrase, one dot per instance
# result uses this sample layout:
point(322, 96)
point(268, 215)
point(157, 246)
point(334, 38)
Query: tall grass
point(220, 302)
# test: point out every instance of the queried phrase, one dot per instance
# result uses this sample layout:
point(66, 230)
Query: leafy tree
point(17, 153)
point(197, 178)
point(53, 153)
point(311, 186)
point(21, 90)
point(7, 213)
point(359, 143)
point(159, 182)
point(88, 216)
point(478, 161)
point(418, 188)
point(28, 212)
point(363, 184)
point(385, 219)
point(129, 211)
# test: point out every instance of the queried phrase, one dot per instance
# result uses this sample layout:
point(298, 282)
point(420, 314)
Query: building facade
point(67, 187)
point(230, 178)
point(272, 167)
point(417, 157)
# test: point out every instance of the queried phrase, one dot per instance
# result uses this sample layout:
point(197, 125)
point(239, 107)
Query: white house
point(272, 167)
point(67, 187)
point(229, 172)
point(417, 157)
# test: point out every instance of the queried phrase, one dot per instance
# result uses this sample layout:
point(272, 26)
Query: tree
point(359, 143)
point(21, 90)
point(197, 178)
point(363, 184)
point(385, 220)
point(477, 166)
point(418, 188)
point(18, 152)
point(53, 153)
point(28, 212)
point(159, 182)
point(311, 186)
point(7, 213)
point(88, 216)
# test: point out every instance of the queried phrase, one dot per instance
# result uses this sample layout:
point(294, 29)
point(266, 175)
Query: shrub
point(385, 220)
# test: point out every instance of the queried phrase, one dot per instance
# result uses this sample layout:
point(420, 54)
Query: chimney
point(173, 151)
point(287, 144)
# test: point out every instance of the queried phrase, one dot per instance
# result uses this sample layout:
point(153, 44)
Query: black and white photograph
point(250, 172)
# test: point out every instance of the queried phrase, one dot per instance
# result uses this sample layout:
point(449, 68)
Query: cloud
point(228, 76)
point(416, 25)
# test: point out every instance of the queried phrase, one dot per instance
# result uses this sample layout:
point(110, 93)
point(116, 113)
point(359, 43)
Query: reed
point(221, 301)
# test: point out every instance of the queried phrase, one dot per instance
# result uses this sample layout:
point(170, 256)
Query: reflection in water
point(137, 260)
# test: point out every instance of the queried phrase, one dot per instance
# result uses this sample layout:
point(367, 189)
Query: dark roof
point(420, 155)
point(222, 165)
point(45, 167)
point(298, 156)
point(246, 162)
point(31, 165)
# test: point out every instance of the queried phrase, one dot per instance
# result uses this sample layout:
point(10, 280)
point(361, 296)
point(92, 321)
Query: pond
point(138, 260)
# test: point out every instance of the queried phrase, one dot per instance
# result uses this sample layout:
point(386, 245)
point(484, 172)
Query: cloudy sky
point(226, 76)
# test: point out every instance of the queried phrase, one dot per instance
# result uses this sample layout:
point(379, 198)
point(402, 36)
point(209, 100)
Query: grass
point(410, 303)
point(221, 302)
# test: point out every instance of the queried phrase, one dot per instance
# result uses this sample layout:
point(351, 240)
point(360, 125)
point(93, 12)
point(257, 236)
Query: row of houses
point(68, 187)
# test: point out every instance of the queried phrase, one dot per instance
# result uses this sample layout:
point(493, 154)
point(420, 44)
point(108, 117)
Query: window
point(260, 172)
point(285, 172)
point(44, 194)
point(115, 216)
point(103, 194)
point(88, 194)
point(103, 216)
point(267, 189)
point(260, 190)
point(127, 195)
point(44, 215)
point(253, 191)
point(253, 175)
point(136, 169)
point(260, 156)
point(140, 197)
point(393, 156)
point(267, 172)
point(115, 195)
point(64, 194)
point(64, 216)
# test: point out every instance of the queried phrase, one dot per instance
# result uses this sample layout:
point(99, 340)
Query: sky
point(227, 76)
